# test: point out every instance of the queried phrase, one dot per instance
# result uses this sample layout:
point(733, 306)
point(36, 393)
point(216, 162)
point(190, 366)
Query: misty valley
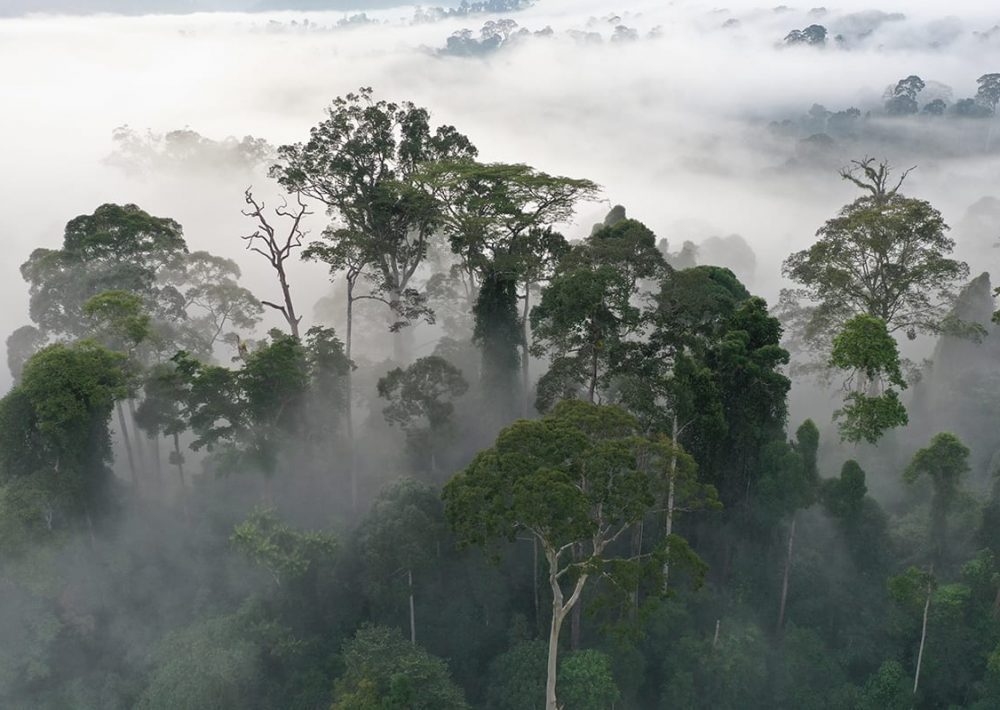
point(500, 355)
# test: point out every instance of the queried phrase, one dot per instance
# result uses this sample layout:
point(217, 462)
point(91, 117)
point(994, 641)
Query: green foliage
point(586, 682)
point(384, 671)
point(887, 689)
point(866, 418)
point(55, 425)
point(360, 163)
point(564, 478)
point(118, 247)
point(884, 255)
point(943, 461)
point(864, 345)
point(517, 678)
point(285, 553)
point(211, 664)
point(588, 318)
point(401, 534)
point(843, 497)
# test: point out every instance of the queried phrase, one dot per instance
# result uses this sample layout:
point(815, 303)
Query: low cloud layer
point(673, 124)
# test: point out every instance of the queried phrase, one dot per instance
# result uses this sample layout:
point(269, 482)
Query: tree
point(118, 247)
point(813, 35)
point(912, 590)
point(384, 670)
point(988, 94)
point(884, 255)
point(358, 162)
point(865, 349)
point(571, 480)
point(55, 427)
point(120, 324)
point(902, 99)
point(944, 460)
point(21, 345)
point(591, 312)
point(788, 484)
point(248, 417)
point(276, 246)
point(285, 553)
point(218, 307)
point(401, 535)
point(161, 410)
point(421, 400)
point(498, 218)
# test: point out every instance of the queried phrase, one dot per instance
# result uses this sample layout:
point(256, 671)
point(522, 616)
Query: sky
point(672, 127)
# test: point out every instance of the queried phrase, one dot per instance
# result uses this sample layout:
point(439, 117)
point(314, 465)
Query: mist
point(704, 122)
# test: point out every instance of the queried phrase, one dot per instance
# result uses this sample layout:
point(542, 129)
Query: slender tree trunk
point(715, 638)
point(784, 582)
point(349, 407)
point(141, 450)
point(534, 577)
point(413, 619)
point(592, 390)
point(637, 532)
point(525, 363)
point(286, 293)
point(923, 638)
point(576, 618)
point(671, 493)
point(128, 445)
point(552, 669)
point(157, 463)
point(559, 611)
point(179, 460)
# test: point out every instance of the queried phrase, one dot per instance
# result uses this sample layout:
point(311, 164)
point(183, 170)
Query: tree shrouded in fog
point(359, 162)
point(883, 257)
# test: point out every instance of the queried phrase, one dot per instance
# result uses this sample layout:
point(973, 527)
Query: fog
point(670, 126)
point(702, 123)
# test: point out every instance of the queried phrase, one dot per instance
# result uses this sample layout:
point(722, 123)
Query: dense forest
point(540, 375)
point(198, 514)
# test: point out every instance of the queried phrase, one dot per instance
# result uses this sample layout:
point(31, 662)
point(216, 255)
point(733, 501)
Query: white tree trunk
point(671, 489)
point(784, 583)
point(923, 638)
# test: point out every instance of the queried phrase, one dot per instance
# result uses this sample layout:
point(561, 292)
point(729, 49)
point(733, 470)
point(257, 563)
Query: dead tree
point(276, 245)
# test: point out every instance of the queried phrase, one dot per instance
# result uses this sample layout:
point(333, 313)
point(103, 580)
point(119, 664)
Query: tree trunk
point(525, 363)
point(923, 638)
point(591, 393)
point(349, 405)
point(413, 620)
point(671, 492)
point(534, 577)
point(559, 611)
point(128, 445)
point(179, 460)
point(784, 583)
point(286, 293)
point(552, 668)
point(141, 450)
point(576, 619)
point(157, 463)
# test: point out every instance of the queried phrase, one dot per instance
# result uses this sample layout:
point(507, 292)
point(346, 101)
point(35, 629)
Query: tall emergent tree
point(118, 247)
point(884, 256)
point(498, 218)
point(592, 312)
point(359, 163)
point(572, 480)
